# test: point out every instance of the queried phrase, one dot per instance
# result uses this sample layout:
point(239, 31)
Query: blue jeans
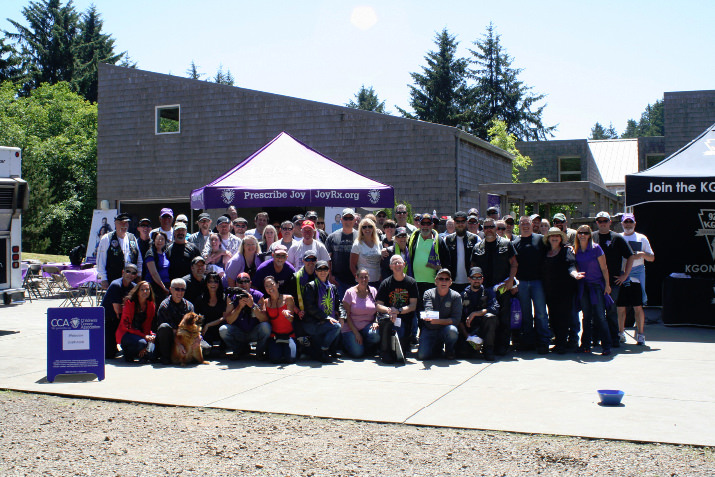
point(370, 338)
point(594, 316)
point(432, 340)
point(612, 315)
point(236, 338)
point(322, 334)
point(132, 344)
point(537, 322)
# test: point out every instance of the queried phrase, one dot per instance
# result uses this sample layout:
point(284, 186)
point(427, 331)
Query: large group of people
point(374, 287)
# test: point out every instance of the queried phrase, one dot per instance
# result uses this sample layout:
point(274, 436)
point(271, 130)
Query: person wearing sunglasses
point(479, 319)
point(322, 312)
point(559, 221)
point(497, 258)
point(616, 249)
point(440, 333)
point(461, 245)
point(287, 238)
point(245, 321)
point(115, 250)
point(633, 292)
point(401, 216)
point(296, 288)
point(278, 267)
point(530, 252)
point(168, 316)
point(366, 252)
point(112, 303)
point(307, 242)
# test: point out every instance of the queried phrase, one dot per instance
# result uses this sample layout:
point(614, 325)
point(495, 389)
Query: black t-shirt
point(530, 256)
point(180, 256)
point(339, 246)
point(194, 288)
point(615, 248)
point(115, 294)
point(397, 294)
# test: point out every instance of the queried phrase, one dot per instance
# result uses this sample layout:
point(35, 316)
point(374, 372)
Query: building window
point(569, 169)
point(168, 119)
point(653, 159)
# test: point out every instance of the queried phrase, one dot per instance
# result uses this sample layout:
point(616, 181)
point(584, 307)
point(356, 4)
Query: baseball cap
point(426, 217)
point(180, 226)
point(492, 210)
point(381, 213)
point(182, 218)
point(474, 271)
point(222, 220)
point(166, 211)
point(534, 217)
point(560, 217)
point(197, 259)
point(308, 224)
point(311, 214)
point(348, 211)
point(446, 271)
point(603, 215)
point(460, 214)
point(321, 264)
point(628, 216)
point(298, 218)
point(122, 218)
point(310, 253)
point(204, 216)
point(400, 231)
point(280, 248)
point(144, 221)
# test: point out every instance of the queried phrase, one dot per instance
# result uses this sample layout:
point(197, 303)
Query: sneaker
point(640, 338)
point(622, 337)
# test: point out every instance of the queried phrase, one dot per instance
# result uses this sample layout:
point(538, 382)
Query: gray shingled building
point(686, 115)
point(161, 136)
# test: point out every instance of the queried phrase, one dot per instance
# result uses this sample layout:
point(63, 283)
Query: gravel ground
point(56, 436)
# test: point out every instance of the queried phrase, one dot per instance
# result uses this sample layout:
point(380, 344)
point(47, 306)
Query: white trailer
point(14, 196)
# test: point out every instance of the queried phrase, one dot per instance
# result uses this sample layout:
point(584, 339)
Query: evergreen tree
point(193, 71)
point(9, 62)
point(499, 94)
point(223, 78)
point(440, 93)
point(94, 47)
point(47, 44)
point(366, 99)
point(599, 132)
point(652, 122)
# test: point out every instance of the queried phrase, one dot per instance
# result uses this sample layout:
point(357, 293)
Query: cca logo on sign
point(60, 322)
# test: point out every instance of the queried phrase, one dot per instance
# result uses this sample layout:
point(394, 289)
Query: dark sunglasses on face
point(602, 221)
point(628, 222)
point(443, 279)
point(348, 219)
point(557, 221)
point(490, 226)
point(584, 233)
point(425, 223)
point(243, 226)
point(179, 289)
point(462, 221)
point(133, 272)
point(501, 228)
point(367, 227)
point(389, 226)
point(310, 259)
point(476, 277)
point(244, 280)
point(401, 236)
point(320, 223)
point(322, 269)
point(401, 212)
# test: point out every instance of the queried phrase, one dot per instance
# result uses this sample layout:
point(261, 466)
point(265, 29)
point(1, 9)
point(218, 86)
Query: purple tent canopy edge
point(286, 172)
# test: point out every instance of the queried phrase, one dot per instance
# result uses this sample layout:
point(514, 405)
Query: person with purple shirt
point(593, 288)
point(278, 268)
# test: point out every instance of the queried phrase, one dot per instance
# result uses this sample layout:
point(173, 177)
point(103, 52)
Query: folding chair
point(53, 283)
point(73, 296)
point(32, 283)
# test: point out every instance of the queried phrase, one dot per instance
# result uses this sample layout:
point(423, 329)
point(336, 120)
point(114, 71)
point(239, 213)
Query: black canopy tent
point(674, 205)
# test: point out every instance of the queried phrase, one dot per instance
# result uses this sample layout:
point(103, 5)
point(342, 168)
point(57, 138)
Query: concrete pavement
point(669, 386)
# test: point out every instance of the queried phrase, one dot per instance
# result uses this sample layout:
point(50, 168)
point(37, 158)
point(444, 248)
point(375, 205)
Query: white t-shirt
point(369, 258)
point(298, 249)
point(638, 243)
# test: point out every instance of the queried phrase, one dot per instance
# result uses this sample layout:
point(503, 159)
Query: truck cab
point(14, 197)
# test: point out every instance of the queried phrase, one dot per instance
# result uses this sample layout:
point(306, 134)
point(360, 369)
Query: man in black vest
point(460, 245)
point(115, 250)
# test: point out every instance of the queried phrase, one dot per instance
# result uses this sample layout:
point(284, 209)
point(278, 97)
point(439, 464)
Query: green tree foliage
point(366, 99)
point(58, 44)
point(599, 132)
point(57, 131)
point(502, 138)
point(500, 95)
point(223, 78)
point(440, 93)
point(652, 122)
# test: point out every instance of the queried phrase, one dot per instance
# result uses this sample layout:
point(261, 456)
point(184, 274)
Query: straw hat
point(555, 231)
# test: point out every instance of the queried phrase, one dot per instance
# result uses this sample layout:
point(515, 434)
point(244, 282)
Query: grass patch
point(45, 257)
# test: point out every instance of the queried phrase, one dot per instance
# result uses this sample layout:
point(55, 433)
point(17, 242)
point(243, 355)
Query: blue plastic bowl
point(610, 397)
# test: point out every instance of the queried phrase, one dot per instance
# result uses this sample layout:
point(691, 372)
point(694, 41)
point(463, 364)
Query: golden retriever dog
point(187, 343)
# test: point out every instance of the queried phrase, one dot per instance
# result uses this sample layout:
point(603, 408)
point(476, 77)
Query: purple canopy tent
point(286, 172)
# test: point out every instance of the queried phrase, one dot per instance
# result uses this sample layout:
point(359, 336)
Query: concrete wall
point(222, 125)
point(545, 156)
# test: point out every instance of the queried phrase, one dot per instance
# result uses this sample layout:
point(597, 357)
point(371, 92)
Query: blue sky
point(595, 61)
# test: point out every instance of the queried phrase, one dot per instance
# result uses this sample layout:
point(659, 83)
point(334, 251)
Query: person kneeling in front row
point(321, 310)
point(479, 318)
point(440, 332)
